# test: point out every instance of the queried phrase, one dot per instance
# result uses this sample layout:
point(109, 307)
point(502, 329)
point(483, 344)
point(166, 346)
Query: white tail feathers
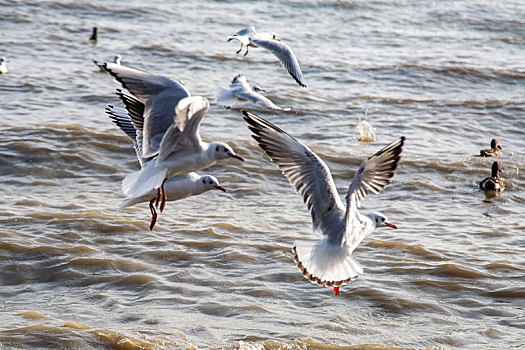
point(326, 264)
point(129, 202)
point(140, 182)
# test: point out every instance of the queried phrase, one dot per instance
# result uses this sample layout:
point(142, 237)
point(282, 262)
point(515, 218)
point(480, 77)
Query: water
point(218, 271)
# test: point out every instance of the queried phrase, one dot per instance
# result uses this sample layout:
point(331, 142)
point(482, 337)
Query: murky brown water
point(217, 271)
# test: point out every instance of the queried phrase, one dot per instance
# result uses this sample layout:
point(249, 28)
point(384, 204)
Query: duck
point(494, 182)
point(495, 150)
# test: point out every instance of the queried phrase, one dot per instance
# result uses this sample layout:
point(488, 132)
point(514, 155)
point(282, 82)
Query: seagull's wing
point(135, 109)
point(121, 118)
point(257, 98)
point(159, 115)
point(246, 31)
point(285, 56)
point(184, 132)
point(142, 84)
point(373, 175)
point(305, 170)
point(225, 97)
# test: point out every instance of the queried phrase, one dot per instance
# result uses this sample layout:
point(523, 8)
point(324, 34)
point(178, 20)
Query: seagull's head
point(222, 150)
point(275, 36)
point(380, 220)
point(211, 183)
point(2, 60)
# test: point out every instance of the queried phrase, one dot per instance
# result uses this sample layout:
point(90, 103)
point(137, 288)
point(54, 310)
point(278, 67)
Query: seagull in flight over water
point(169, 120)
point(328, 262)
point(270, 41)
point(240, 89)
point(177, 187)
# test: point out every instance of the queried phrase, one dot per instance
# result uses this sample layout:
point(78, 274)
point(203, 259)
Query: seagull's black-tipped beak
point(219, 187)
point(236, 156)
point(389, 224)
point(499, 147)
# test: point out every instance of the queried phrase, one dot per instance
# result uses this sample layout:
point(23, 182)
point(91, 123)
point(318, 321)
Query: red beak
point(389, 224)
point(236, 156)
point(220, 188)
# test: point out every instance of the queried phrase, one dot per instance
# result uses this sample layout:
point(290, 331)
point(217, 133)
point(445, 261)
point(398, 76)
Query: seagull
point(328, 262)
point(177, 187)
point(270, 41)
point(116, 60)
point(240, 89)
point(3, 65)
point(170, 130)
point(493, 183)
point(495, 149)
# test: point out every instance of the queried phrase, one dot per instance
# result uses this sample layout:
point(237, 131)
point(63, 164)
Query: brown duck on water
point(493, 183)
point(495, 150)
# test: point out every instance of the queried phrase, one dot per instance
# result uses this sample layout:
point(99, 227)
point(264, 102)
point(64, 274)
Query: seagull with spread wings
point(271, 42)
point(176, 187)
point(169, 123)
point(328, 262)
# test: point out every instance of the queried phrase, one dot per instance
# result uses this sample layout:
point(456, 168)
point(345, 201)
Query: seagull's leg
point(164, 196)
point(158, 197)
point(153, 214)
point(336, 290)
point(240, 48)
point(246, 50)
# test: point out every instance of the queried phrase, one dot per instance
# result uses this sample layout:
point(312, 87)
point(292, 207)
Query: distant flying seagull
point(241, 90)
point(270, 41)
point(328, 262)
point(116, 60)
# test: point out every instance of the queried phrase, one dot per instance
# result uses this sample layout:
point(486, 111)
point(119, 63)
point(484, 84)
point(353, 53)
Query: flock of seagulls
point(163, 119)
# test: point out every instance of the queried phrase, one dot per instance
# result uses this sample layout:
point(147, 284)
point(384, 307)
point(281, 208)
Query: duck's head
point(495, 144)
point(495, 169)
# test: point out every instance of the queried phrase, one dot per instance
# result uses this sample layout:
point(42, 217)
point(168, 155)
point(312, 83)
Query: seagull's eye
point(203, 181)
point(217, 149)
point(383, 219)
point(377, 220)
point(210, 182)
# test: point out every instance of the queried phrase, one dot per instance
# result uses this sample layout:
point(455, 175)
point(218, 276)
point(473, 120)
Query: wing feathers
point(303, 169)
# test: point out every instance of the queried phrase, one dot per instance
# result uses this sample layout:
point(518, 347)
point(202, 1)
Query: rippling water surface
point(217, 271)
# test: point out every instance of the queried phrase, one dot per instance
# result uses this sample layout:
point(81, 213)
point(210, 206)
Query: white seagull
point(328, 262)
point(170, 129)
point(177, 187)
point(240, 89)
point(270, 41)
point(116, 60)
point(3, 65)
